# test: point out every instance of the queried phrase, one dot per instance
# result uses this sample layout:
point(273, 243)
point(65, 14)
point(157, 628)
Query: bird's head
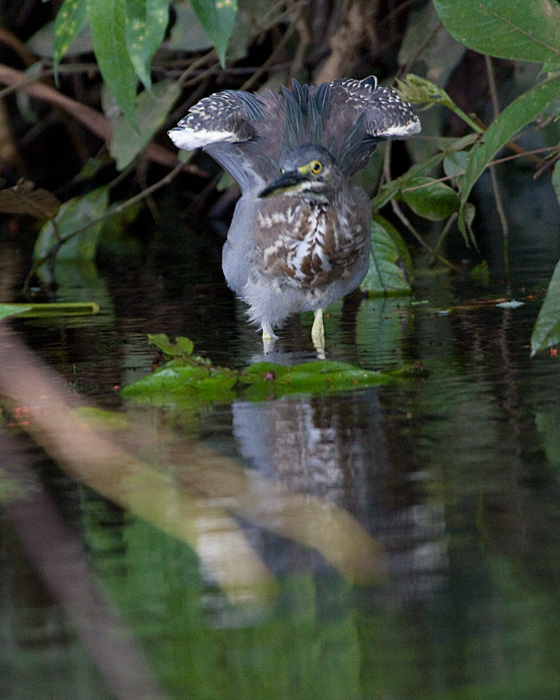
point(308, 171)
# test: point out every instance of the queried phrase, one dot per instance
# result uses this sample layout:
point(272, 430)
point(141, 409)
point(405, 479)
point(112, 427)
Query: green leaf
point(217, 17)
point(73, 215)
point(525, 31)
point(515, 116)
point(152, 108)
point(390, 261)
point(146, 23)
point(431, 199)
point(13, 309)
point(70, 20)
point(546, 332)
point(108, 26)
point(182, 347)
point(556, 180)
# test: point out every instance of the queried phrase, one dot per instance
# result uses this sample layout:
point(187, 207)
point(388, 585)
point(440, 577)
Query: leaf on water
point(524, 31)
point(108, 27)
point(72, 217)
point(24, 199)
point(515, 116)
point(70, 20)
point(431, 199)
point(182, 347)
point(390, 267)
point(546, 331)
point(63, 308)
point(217, 18)
point(190, 380)
point(145, 28)
point(151, 109)
point(12, 309)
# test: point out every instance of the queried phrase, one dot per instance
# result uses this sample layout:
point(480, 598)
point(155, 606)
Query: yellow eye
point(316, 167)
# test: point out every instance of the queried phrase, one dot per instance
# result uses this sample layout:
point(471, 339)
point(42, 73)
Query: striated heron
point(300, 235)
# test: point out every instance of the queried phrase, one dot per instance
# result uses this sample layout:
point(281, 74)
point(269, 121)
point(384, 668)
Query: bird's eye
point(316, 167)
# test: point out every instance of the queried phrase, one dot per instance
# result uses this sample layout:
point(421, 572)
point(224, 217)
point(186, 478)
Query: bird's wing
point(235, 128)
point(362, 113)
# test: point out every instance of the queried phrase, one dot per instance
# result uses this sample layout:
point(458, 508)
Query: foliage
point(189, 380)
point(134, 40)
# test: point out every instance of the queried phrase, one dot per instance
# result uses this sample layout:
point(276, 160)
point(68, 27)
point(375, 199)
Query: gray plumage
point(300, 235)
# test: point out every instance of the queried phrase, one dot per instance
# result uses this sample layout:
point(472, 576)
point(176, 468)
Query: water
point(395, 542)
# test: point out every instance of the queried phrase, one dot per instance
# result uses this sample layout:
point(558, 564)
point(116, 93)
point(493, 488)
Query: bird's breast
point(309, 244)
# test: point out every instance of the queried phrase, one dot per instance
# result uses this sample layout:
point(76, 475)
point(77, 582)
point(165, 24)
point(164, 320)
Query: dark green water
point(454, 473)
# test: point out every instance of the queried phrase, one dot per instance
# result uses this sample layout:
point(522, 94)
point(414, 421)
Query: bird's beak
point(289, 181)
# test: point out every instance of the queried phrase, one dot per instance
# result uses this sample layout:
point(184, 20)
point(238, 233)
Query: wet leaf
point(70, 20)
point(151, 108)
point(24, 199)
point(431, 199)
point(217, 17)
point(145, 28)
point(390, 262)
point(546, 331)
point(73, 216)
point(182, 347)
point(515, 116)
point(191, 380)
point(12, 309)
point(526, 31)
point(108, 27)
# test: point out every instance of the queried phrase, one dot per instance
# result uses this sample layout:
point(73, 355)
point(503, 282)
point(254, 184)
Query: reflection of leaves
point(24, 199)
point(546, 332)
point(189, 379)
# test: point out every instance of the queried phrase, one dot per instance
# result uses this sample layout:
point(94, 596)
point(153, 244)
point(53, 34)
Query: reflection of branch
point(194, 506)
point(57, 555)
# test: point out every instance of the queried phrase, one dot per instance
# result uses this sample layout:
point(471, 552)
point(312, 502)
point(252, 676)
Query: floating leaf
point(192, 379)
point(72, 217)
point(182, 347)
point(515, 116)
point(70, 20)
point(431, 199)
point(390, 261)
point(145, 28)
point(217, 17)
point(108, 26)
point(152, 107)
point(524, 31)
point(13, 309)
point(24, 199)
point(546, 332)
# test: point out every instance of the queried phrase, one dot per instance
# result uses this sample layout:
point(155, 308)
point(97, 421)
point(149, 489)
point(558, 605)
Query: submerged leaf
point(546, 331)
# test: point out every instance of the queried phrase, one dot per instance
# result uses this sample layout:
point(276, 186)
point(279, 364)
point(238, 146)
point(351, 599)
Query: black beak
point(286, 181)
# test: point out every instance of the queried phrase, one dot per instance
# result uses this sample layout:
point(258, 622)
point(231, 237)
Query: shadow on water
point(406, 536)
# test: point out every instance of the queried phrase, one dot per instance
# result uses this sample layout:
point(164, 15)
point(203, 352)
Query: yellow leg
point(318, 330)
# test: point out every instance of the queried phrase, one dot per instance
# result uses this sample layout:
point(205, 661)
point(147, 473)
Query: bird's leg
point(268, 335)
point(318, 330)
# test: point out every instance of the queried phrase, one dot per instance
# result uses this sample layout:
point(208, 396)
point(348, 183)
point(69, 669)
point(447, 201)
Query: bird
point(300, 233)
